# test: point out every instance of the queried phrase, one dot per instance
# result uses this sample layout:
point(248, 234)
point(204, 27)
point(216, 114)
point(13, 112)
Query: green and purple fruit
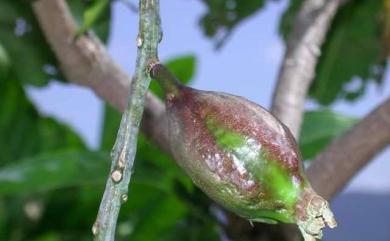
point(241, 156)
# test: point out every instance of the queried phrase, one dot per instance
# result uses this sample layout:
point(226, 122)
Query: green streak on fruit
point(241, 156)
point(226, 138)
point(249, 155)
point(280, 184)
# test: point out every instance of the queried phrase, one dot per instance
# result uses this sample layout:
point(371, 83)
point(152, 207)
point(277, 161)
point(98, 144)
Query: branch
point(300, 60)
point(86, 62)
point(125, 147)
point(348, 154)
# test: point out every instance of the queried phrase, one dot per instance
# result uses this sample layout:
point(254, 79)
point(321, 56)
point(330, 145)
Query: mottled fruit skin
point(236, 152)
point(241, 156)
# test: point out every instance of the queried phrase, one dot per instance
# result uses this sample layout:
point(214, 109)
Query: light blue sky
point(246, 66)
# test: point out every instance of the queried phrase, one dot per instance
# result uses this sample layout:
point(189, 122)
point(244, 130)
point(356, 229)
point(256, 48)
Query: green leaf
point(101, 26)
point(92, 14)
point(353, 53)
point(353, 57)
point(111, 121)
point(288, 18)
point(25, 135)
point(24, 132)
point(320, 128)
point(183, 67)
point(153, 194)
point(27, 48)
point(223, 16)
point(32, 61)
point(149, 217)
point(4, 63)
point(49, 237)
point(3, 218)
point(51, 171)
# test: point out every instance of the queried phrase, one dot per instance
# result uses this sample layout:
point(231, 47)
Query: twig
point(124, 150)
point(86, 62)
point(344, 157)
point(298, 67)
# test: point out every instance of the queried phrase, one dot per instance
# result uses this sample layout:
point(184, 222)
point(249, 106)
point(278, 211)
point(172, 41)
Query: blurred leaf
point(183, 67)
point(286, 21)
point(49, 237)
point(353, 56)
point(4, 63)
point(223, 16)
point(31, 57)
point(157, 168)
point(353, 53)
point(192, 230)
point(77, 206)
point(93, 13)
point(27, 48)
point(320, 128)
point(386, 27)
point(101, 25)
point(53, 171)
point(155, 210)
point(156, 216)
point(111, 121)
point(24, 132)
point(3, 218)
point(64, 180)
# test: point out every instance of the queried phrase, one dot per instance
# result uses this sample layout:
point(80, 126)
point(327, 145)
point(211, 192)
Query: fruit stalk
point(166, 79)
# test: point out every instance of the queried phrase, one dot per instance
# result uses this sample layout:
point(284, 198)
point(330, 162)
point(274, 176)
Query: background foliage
point(51, 184)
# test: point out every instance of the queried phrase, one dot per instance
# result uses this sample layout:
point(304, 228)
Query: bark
point(123, 153)
point(86, 62)
point(300, 60)
point(344, 157)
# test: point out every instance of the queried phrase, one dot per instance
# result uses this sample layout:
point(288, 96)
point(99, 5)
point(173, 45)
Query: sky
point(247, 66)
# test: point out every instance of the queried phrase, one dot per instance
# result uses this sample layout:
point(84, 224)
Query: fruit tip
point(317, 215)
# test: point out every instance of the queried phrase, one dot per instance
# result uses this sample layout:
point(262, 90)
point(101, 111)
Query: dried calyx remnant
point(241, 156)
